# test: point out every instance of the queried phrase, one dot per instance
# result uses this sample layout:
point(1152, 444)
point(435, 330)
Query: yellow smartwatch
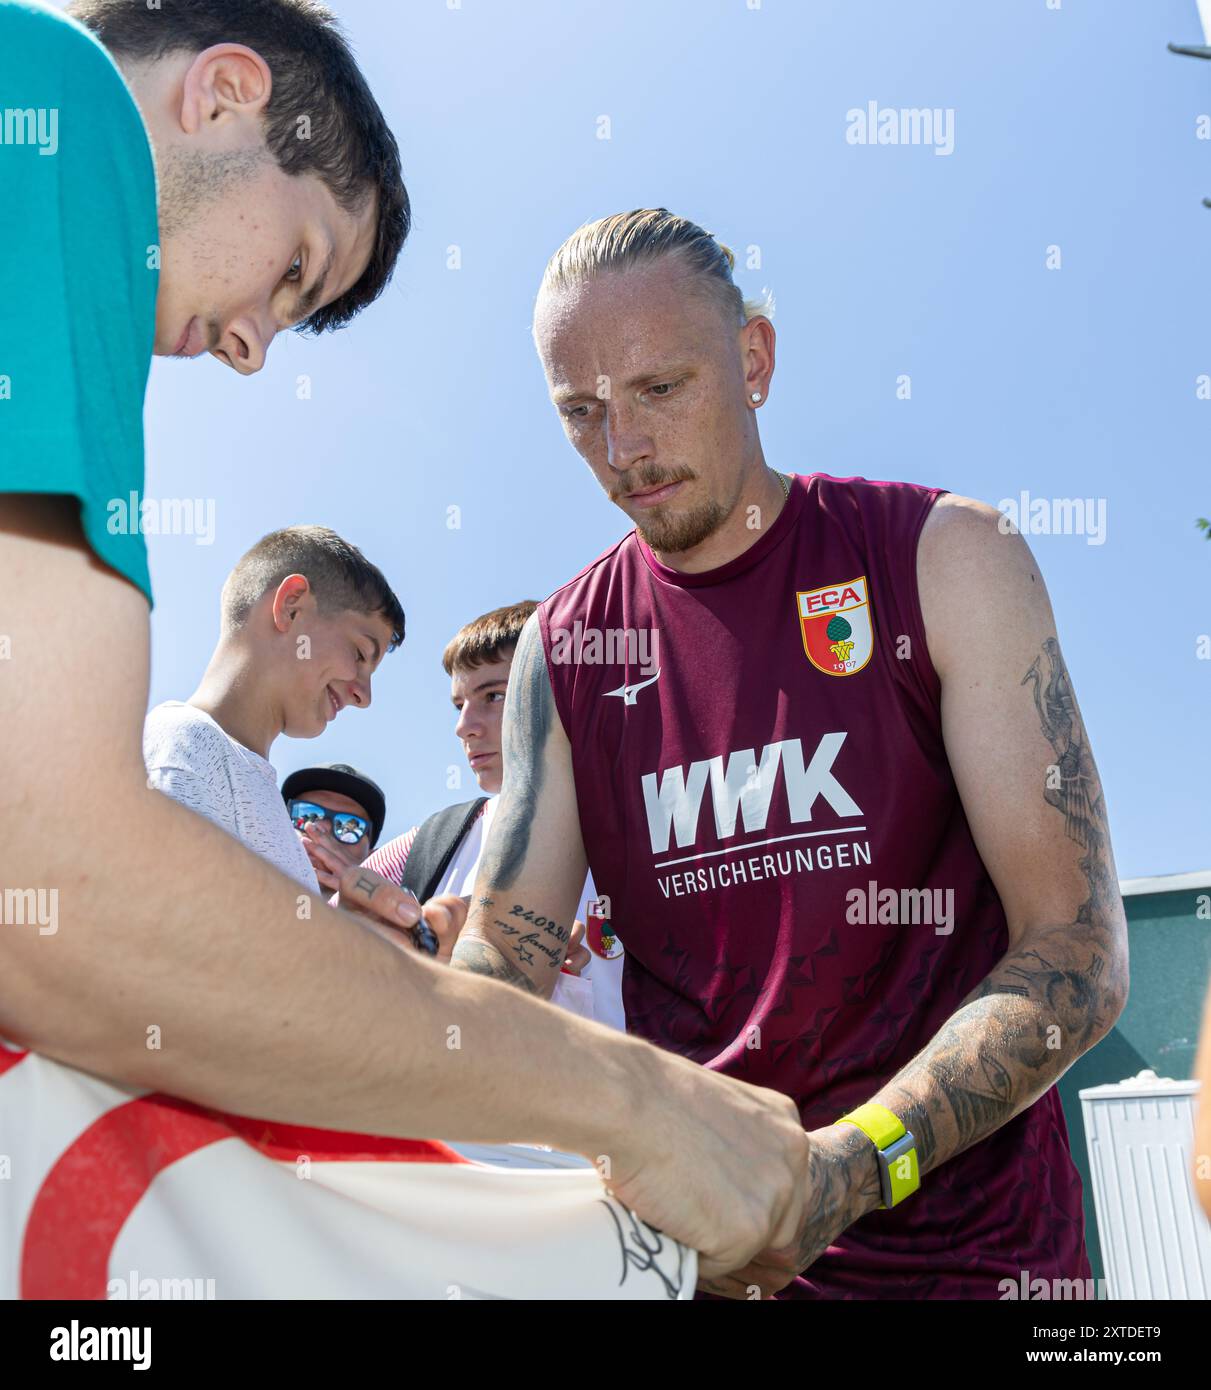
point(899, 1173)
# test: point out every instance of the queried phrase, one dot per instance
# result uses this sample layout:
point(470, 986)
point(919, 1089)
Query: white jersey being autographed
point(113, 1194)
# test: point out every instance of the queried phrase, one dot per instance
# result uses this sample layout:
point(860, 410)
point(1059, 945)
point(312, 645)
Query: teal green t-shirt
point(78, 278)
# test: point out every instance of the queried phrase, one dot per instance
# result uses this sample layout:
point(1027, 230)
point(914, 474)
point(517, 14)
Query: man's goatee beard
point(674, 534)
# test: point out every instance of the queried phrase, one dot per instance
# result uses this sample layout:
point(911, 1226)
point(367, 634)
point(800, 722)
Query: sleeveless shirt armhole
point(557, 690)
point(928, 677)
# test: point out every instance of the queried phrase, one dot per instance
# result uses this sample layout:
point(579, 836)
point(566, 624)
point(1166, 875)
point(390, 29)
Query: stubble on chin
point(678, 532)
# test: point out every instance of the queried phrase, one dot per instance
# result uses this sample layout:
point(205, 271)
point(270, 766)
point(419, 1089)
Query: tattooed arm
point(1021, 759)
point(533, 866)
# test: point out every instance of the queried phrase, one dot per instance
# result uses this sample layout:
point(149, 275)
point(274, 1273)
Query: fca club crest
point(600, 938)
point(838, 636)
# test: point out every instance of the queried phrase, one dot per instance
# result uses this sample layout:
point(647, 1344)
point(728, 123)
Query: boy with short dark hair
point(306, 619)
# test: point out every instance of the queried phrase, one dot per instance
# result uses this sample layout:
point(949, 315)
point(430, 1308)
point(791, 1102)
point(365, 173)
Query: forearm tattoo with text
point(528, 942)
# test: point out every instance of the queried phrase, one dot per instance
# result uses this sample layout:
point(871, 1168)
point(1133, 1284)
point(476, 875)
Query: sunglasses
point(346, 827)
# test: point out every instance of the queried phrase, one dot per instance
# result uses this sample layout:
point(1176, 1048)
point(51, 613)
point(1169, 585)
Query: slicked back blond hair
point(640, 237)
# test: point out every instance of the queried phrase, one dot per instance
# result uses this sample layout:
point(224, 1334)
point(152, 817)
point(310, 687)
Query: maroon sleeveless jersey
point(758, 759)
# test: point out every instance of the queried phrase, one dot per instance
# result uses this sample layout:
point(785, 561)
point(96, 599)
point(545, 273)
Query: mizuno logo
point(630, 692)
point(743, 789)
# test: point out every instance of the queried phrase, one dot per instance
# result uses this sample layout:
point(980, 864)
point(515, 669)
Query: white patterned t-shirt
point(190, 758)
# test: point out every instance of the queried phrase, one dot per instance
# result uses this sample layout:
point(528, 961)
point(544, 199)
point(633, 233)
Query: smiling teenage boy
point(305, 621)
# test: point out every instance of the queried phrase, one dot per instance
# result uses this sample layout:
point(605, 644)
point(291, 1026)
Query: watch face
point(899, 1173)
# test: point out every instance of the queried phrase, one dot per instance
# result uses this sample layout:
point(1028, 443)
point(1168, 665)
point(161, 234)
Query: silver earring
point(756, 396)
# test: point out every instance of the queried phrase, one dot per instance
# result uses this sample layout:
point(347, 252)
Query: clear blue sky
point(1072, 128)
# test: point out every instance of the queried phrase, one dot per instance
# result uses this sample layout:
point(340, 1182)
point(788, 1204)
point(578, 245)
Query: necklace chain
point(786, 490)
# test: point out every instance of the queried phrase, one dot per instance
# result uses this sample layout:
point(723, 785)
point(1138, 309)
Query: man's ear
point(289, 600)
point(225, 79)
point(757, 356)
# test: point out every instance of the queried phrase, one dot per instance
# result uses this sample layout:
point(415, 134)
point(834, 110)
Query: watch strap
point(899, 1170)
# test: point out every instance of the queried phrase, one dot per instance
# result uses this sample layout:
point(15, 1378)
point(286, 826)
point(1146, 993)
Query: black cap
point(348, 781)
